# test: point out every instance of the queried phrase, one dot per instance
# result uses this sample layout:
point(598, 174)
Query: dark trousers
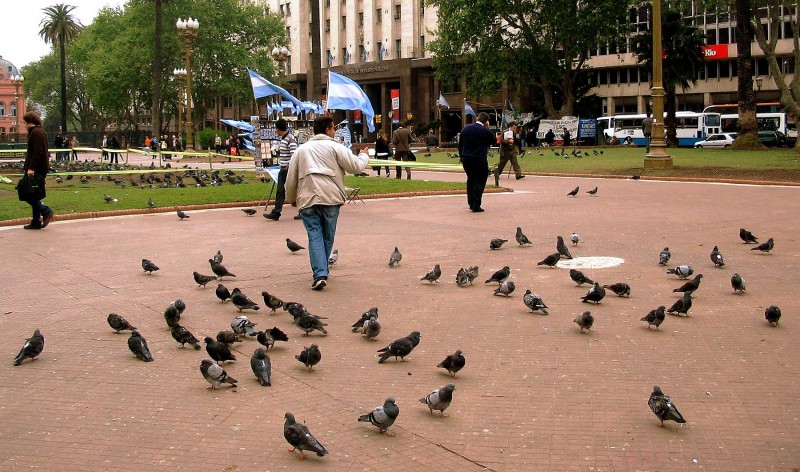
point(280, 195)
point(477, 170)
point(378, 168)
point(39, 210)
point(402, 156)
point(114, 159)
point(505, 157)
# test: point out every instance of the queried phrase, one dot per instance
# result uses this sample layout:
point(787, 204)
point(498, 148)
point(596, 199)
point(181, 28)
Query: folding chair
point(352, 195)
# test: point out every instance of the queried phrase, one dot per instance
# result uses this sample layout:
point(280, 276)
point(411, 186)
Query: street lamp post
point(180, 76)
point(280, 54)
point(657, 157)
point(759, 83)
point(16, 81)
point(187, 30)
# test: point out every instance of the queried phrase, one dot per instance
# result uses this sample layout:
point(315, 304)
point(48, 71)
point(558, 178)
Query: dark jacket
point(401, 138)
point(475, 141)
point(37, 157)
point(381, 146)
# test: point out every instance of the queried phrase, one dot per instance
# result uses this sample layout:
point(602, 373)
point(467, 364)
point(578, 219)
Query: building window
point(13, 109)
point(280, 8)
point(397, 44)
point(724, 69)
point(331, 59)
point(2, 109)
point(227, 102)
point(344, 21)
point(711, 70)
point(288, 9)
point(422, 46)
point(634, 75)
point(361, 18)
point(602, 77)
point(327, 25)
point(724, 36)
point(362, 53)
point(397, 11)
point(421, 7)
point(345, 56)
point(378, 15)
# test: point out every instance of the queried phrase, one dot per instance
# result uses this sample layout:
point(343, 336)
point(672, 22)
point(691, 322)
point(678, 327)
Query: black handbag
point(31, 188)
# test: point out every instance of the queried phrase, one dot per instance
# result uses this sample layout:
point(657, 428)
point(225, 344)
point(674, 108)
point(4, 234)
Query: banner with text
point(395, 94)
point(569, 122)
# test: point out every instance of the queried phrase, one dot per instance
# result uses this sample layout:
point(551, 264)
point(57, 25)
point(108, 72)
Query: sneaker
point(272, 216)
point(47, 219)
point(319, 283)
point(298, 217)
point(32, 226)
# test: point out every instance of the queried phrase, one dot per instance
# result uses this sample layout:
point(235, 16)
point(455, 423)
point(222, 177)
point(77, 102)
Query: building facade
point(12, 103)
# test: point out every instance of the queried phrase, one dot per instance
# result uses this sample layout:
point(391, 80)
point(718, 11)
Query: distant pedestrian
point(287, 146)
point(647, 130)
point(382, 151)
point(549, 138)
point(401, 139)
point(566, 137)
point(114, 144)
point(473, 149)
point(73, 144)
point(36, 167)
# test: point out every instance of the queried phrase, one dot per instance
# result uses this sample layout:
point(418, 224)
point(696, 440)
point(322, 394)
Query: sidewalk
point(535, 393)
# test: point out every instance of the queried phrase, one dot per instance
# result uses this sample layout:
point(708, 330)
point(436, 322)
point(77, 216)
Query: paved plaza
point(536, 394)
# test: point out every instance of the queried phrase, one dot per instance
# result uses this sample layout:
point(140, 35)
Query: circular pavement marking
point(592, 262)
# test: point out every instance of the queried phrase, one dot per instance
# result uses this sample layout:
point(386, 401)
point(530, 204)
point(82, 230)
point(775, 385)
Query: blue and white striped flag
point(468, 109)
point(264, 88)
point(345, 94)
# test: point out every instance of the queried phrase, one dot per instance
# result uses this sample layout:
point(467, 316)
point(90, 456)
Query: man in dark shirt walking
point(473, 148)
point(36, 167)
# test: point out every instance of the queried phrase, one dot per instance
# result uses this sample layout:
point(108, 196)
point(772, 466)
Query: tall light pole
point(180, 76)
point(187, 30)
point(16, 81)
point(280, 54)
point(657, 157)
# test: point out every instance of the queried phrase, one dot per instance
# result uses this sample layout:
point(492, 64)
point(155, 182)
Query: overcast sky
point(19, 37)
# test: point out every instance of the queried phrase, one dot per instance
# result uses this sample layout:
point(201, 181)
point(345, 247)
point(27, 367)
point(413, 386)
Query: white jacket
point(317, 169)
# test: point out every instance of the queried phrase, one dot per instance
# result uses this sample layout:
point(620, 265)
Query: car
point(722, 140)
point(772, 138)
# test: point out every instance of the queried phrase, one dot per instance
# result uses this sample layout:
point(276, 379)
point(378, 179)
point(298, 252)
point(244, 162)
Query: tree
point(157, 66)
point(747, 125)
point(683, 58)
point(60, 27)
point(540, 43)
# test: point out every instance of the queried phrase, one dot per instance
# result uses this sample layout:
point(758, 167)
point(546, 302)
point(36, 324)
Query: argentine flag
point(468, 109)
point(264, 88)
point(344, 94)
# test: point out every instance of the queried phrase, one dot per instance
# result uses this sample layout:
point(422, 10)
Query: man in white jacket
point(315, 183)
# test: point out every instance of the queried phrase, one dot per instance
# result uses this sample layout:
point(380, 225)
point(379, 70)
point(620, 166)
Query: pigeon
point(663, 408)
point(585, 321)
point(394, 259)
point(765, 247)
point(579, 277)
point(300, 437)
point(592, 192)
point(747, 236)
point(500, 276)
point(497, 243)
point(534, 302)
point(773, 315)
point(228, 337)
point(241, 301)
point(562, 248)
point(262, 367)
point(400, 347)
point(249, 211)
point(183, 336)
point(371, 313)
point(201, 279)
point(682, 271)
point(310, 356)
point(218, 351)
point(148, 266)
point(308, 323)
point(172, 316)
point(32, 348)
point(242, 325)
point(219, 269)
point(179, 305)
point(691, 285)
point(682, 306)
point(453, 363)
point(272, 302)
point(574, 238)
point(382, 416)
point(119, 323)
point(182, 215)
point(521, 238)
point(371, 328)
point(716, 257)
point(655, 317)
point(461, 277)
point(293, 246)
point(737, 282)
point(295, 309)
point(138, 346)
point(215, 375)
point(268, 337)
point(433, 275)
point(439, 399)
point(109, 199)
point(620, 288)
point(574, 192)
point(334, 257)
point(223, 293)
point(505, 289)
point(471, 274)
point(595, 294)
point(218, 257)
point(664, 256)
point(550, 260)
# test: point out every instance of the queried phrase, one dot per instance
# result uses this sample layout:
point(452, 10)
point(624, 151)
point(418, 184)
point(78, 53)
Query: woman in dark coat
point(36, 167)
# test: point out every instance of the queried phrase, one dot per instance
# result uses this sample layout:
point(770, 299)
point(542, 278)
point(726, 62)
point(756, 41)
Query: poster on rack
point(568, 122)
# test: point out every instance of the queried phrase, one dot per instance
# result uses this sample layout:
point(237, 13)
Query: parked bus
point(690, 127)
point(766, 122)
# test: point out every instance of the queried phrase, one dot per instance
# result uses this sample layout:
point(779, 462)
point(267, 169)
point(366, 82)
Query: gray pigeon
point(172, 316)
point(293, 246)
point(241, 301)
point(521, 238)
point(310, 356)
point(550, 260)
point(574, 238)
point(765, 247)
point(399, 347)
point(262, 367)
point(228, 337)
point(562, 248)
point(453, 363)
point(219, 270)
point(179, 305)
point(371, 313)
point(31, 349)
point(271, 301)
point(662, 407)
point(371, 328)
point(201, 279)
point(383, 416)
point(747, 236)
point(268, 337)
point(682, 306)
point(249, 211)
point(433, 275)
point(242, 326)
point(223, 293)
point(215, 375)
point(773, 315)
point(472, 273)
point(151, 203)
point(218, 351)
point(655, 317)
point(595, 294)
point(461, 277)
point(439, 399)
point(138, 346)
point(716, 257)
point(505, 289)
point(579, 277)
point(300, 437)
point(394, 259)
point(308, 323)
point(534, 302)
point(691, 285)
point(682, 271)
point(664, 256)
point(218, 257)
point(585, 320)
point(592, 192)
point(737, 282)
point(184, 336)
point(500, 276)
point(497, 243)
point(148, 266)
point(574, 192)
point(119, 323)
point(181, 214)
point(620, 288)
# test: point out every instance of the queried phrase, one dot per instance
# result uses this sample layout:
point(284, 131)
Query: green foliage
point(59, 28)
point(206, 138)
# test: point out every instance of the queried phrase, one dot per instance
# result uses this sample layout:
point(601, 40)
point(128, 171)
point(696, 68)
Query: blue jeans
point(39, 210)
point(320, 223)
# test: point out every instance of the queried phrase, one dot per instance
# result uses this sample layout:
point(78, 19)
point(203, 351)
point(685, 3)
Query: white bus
point(766, 122)
point(690, 127)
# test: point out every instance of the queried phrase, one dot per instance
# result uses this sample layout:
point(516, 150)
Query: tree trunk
point(314, 89)
point(670, 133)
point(156, 109)
point(746, 125)
point(63, 50)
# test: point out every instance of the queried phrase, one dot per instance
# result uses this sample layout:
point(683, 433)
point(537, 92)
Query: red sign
point(395, 94)
point(715, 52)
